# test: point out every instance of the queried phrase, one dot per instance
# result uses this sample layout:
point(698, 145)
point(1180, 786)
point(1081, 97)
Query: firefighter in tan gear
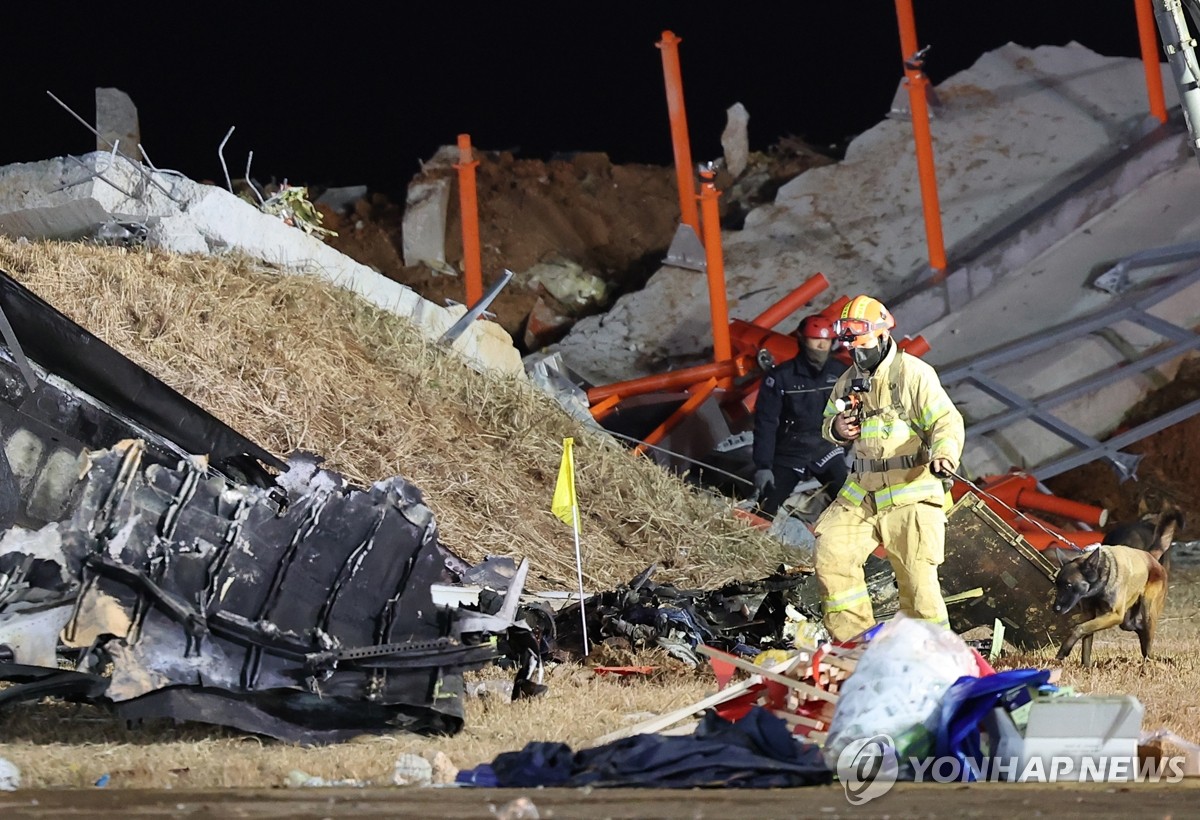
point(906, 433)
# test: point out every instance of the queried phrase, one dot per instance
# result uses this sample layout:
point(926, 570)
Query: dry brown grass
point(57, 744)
point(296, 364)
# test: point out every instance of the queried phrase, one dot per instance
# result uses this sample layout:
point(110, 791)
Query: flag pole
point(565, 507)
point(579, 571)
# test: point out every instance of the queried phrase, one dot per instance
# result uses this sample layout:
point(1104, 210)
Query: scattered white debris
point(412, 770)
point(10, 776)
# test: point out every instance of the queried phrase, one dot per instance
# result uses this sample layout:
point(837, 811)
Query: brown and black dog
point(1117, 585)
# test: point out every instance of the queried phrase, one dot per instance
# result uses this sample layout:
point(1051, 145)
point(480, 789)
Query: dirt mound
point(1170, 467)
point(615, 221)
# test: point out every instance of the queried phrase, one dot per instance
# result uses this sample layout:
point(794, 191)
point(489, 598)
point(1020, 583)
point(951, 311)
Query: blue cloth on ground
point(968, 701)
point(758, 751)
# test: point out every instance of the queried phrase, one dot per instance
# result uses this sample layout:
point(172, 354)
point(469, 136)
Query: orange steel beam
point(702, 392)
point(669, 46)
point(834, 311)
point(1148, 38)
point(718, 307)
point(789, 304)
point(1071, 510)
point(674, 380)
point(917, 83)
point(602, 408)
point(468, 200)
point(914, 346)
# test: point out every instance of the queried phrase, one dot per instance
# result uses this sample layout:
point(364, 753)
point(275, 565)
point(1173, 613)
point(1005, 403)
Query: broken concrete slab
point(117, 122)
point(70, 198)
point(860, 221)
point(424, 225)
point(735, 139)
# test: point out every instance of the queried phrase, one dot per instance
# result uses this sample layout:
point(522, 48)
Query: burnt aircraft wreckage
point(232, 587)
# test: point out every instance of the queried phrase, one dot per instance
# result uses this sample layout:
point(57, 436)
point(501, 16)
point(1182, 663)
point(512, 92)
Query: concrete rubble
point(116, 121)
point(1047, 163)
point(72, 198)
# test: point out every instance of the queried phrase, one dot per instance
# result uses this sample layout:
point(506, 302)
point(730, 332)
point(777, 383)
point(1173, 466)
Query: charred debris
point(233, 588)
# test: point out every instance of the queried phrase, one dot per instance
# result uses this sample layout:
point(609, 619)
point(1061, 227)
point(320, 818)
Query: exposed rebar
point(250, 182)
point(221, 156)
point(137, 165)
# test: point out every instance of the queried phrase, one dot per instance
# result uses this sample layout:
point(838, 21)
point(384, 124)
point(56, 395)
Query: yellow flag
point(564, 502)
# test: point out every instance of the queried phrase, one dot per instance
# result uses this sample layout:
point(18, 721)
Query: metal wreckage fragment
point(212, 589)
point(181, 595)
point(742, 617)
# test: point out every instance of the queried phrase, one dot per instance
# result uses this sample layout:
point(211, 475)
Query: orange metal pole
point(715, 263)
point(469, 206)
point(602, 408)
point(917, 83)
point(789, 304)
point(669, 46)
point(834, 310)
point(703, 391)
point(1071, 510)
point(1148, 37)
point(674, 380)
point(917, 346)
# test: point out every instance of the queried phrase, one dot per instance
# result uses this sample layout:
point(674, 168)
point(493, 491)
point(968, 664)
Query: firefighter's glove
point(763, 479)
point(942, 467)
point(845, 427)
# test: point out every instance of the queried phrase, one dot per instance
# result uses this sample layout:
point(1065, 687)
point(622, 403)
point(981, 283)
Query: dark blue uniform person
point(788, 444)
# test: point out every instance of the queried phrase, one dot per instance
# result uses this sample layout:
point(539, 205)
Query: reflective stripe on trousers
point(914, 535)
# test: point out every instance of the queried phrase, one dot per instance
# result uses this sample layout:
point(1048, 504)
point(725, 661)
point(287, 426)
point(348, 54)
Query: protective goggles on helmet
point(848, 330)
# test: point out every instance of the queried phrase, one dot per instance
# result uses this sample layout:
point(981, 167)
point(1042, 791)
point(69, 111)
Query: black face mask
point(867, 359)
point(816, 358)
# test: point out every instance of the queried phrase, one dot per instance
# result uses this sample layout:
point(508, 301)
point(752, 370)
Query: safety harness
point(880, 465)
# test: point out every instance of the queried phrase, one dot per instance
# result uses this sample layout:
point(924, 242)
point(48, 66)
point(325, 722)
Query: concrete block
point(117, 122)
point(61, 199)
point(735, 139)
point(424, 225)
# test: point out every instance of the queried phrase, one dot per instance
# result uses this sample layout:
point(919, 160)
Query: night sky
point(357, 93)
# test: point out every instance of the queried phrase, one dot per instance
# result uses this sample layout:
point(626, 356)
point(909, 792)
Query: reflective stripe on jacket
point(906, 412)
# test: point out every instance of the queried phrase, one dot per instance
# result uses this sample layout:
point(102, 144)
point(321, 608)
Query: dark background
point(358, 93)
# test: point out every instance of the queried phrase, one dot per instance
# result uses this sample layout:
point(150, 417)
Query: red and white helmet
point(815, 326)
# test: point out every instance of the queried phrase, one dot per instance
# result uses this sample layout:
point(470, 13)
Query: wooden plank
point(661, 722)
point(657, 724)
point(799, 686)
point(797, 720)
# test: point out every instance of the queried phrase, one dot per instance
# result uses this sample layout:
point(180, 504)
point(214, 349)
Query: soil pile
point(614, 221)
point(1170, 466)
